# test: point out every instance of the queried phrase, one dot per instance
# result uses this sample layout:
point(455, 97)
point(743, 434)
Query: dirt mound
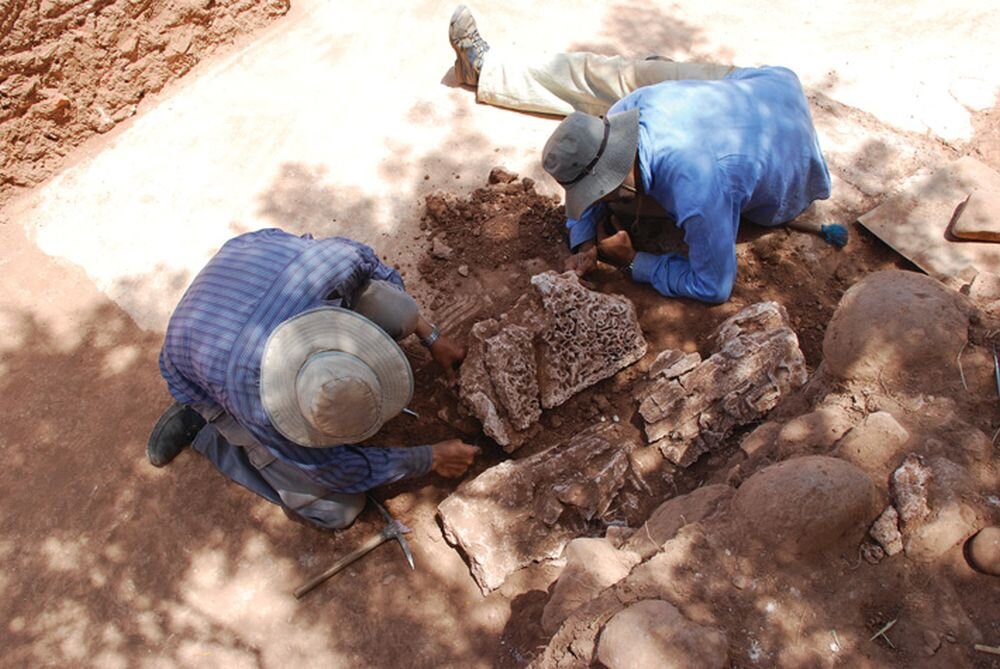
point(74, 68)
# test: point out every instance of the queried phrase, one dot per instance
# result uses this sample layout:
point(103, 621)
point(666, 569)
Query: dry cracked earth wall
point(73, 68)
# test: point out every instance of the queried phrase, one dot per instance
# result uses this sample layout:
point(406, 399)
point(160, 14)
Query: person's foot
point(174, 431)
point(469, 46)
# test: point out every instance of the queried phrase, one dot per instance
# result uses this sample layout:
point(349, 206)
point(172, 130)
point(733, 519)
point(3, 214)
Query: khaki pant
point(562, 83)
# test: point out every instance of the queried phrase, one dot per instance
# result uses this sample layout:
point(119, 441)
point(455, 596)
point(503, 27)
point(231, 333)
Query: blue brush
point(835, 234)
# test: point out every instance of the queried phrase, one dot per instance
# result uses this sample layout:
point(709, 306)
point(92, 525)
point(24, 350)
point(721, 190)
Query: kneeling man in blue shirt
point(281, 357)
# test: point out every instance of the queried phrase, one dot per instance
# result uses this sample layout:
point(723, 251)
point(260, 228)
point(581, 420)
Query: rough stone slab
point(523, 511)
point(885, 530)
point(915, 221)
point(553, 343)
point(758, 361)
point(908, 488)
point(653, 633)
point(671, 363)
point(587, 336)
point(674, 514)
point(591, 566)
point(978, 218)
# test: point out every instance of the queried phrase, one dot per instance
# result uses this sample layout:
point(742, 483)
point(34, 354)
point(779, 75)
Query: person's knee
point(336, 512)
point(389, 307)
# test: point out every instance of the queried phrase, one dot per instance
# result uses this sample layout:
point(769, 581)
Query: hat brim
point(329, 329)
point(611, 168)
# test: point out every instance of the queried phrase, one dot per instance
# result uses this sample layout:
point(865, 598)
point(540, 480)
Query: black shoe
point(174, 431)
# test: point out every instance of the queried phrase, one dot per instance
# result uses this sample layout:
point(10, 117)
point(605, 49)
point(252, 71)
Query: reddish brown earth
point(505, 231)
point(69, 70)
point(112, 595)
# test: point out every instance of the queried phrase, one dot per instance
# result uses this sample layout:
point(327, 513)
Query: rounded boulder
point(803, 506)
point(900, 328)
point(653, 633)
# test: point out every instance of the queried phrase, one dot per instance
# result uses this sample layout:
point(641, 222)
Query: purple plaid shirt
point(216, 337)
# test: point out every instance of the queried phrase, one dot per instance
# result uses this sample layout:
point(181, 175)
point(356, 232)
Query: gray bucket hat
point(330, 376)
point(590, 156)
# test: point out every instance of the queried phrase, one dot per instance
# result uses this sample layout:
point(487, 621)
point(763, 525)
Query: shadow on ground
point(111, 562)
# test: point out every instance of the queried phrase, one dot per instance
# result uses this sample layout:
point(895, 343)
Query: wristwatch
point(431, 337)
point(627, 269)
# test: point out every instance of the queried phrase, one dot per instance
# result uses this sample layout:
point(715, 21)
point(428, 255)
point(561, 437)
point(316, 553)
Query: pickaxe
point(394, 530)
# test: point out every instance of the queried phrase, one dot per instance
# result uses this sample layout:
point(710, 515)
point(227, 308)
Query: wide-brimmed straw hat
point(330, 376)
point(590, 156)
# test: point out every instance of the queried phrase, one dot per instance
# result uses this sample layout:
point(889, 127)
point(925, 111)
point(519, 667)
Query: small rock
point(947, 526)
point(741, 582)
point(872, 553)
point(499, 175)
point(885, 530)
point(817, 431)
point(603, 403)
point(874, 443)
point(985, 288)
point(931, 642)
point(556, 422)
point(125, 112)
point(463, 270)
point(618, 534)
point(615, 419)
point(909, 489)
point(55, 106)
point(440, 250)
point(983, 551)
point(761, 440)
point(103, 122)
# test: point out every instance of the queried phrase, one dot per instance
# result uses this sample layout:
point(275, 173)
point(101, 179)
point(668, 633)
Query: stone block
point(554, 342)
point(875, 443)
point(519, 512)
point(908, 487)
point(653, 633)
point(674, 514)
point(978, 217)
point(591, 566)
point(757, 362)
point(671, 363)
point(885, 530)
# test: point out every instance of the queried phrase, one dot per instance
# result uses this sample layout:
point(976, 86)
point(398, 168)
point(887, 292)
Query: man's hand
point(616, 248)
point(452, 457)
point(447, 352)
point(583, 261)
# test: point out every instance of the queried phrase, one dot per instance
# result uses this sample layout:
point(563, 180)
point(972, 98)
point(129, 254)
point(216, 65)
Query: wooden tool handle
point(338, 565)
